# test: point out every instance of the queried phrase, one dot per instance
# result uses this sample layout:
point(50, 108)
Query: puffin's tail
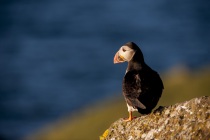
point(144, 111)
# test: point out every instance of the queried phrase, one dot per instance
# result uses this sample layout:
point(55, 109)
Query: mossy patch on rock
point(187, 120)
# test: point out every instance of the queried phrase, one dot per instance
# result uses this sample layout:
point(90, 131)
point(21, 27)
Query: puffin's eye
point(123, 50)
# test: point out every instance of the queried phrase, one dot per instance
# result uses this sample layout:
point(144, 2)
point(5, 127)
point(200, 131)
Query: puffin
point(142, 86)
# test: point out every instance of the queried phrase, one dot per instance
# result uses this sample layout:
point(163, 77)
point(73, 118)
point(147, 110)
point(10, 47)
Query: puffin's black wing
point(142, 87)
point(132, 89)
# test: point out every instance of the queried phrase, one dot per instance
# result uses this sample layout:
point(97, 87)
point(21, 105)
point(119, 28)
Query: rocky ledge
point(187, 120)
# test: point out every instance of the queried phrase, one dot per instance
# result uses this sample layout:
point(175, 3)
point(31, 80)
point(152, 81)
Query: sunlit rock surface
point(187, 120)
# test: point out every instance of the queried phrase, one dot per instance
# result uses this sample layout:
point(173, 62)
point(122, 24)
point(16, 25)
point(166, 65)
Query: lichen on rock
point(187, 120)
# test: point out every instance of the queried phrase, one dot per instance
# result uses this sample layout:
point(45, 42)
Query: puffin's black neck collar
point(132, 65)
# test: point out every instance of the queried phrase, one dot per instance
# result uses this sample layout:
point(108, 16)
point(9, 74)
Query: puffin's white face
point(124, 54)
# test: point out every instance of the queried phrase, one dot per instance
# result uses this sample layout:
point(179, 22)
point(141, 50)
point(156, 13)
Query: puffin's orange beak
point(115, 58)
point(118, 58)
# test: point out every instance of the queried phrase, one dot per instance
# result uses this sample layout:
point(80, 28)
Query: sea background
point(56, 56)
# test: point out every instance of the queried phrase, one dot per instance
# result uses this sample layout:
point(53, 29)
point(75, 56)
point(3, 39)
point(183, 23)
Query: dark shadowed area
point(56, 57)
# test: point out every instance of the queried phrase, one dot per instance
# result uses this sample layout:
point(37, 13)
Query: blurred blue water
point(57, 56)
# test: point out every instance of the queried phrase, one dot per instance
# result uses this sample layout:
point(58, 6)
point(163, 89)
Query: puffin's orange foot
point(129, 119)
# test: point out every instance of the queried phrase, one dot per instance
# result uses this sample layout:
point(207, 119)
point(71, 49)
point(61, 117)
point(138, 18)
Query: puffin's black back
point(145, 85)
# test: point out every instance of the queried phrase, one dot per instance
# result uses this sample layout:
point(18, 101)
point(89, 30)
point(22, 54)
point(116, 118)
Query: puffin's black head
point(129, 52)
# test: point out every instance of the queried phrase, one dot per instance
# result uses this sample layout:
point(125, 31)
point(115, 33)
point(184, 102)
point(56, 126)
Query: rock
point(187, 120)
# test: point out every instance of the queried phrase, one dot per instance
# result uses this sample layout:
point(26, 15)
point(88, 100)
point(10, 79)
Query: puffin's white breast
point(130, 108)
